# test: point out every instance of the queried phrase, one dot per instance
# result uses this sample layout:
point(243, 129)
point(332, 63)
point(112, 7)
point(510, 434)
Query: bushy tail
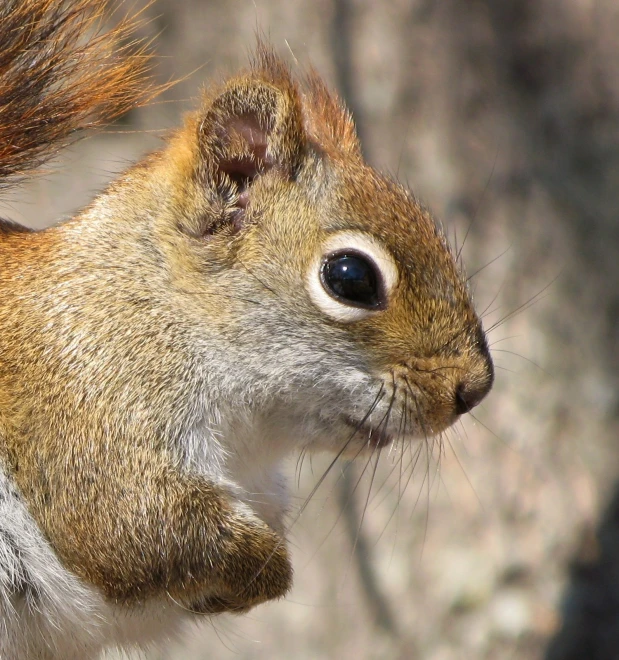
point(60, 71)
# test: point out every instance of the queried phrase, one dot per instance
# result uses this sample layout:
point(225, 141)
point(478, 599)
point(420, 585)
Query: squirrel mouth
point(376, 437)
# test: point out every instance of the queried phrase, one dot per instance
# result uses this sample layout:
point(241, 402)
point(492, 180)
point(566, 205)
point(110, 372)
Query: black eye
point(353, 279)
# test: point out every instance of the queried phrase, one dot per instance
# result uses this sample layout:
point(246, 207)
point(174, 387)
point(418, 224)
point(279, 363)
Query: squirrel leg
point(159, 533)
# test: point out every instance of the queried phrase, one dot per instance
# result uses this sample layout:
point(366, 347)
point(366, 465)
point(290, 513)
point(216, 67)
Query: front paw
point(257, 568)
point(271, 583)
point(247, 564)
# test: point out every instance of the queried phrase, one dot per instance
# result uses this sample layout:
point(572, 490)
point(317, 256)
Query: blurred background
point(503, 117)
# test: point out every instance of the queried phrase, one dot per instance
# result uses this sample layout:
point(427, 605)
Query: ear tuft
point(328, 121)
point(268, 65)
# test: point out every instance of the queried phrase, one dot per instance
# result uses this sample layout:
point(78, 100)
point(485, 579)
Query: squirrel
point(251, 290)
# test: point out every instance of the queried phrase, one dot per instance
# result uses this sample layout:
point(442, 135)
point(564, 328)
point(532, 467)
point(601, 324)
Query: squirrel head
point(323, 294)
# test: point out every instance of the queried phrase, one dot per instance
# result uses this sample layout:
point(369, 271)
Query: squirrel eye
point(354, 279)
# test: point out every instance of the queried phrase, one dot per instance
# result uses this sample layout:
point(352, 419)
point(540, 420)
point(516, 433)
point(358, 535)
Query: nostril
point(467, 397)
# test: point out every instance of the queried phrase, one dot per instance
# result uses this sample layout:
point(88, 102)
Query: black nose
point(469, 395)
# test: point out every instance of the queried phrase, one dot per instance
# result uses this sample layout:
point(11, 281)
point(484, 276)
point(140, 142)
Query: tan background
point(503, 117)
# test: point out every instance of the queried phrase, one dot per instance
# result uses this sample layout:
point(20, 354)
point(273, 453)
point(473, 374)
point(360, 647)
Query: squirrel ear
point(252, 126)
point(239, 153)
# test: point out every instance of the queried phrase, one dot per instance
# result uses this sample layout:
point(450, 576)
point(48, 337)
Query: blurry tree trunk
point(377, 603)
point(563, 119)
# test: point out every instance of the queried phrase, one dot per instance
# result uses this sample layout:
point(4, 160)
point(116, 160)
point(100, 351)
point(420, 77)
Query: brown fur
point(100, 317)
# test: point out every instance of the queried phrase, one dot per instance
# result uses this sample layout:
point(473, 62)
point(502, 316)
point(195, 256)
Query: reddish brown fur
point(59, 72)
point(328, 122)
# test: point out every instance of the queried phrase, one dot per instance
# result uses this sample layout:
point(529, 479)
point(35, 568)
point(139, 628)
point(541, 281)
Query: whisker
point(345, 472)
point(299, 465)
point(266, 286)
point(398, 463)
point(500, 367)
point(365, 506)
point(485, 426)
point(320, 481)
point(429, 451)
point(474, 216)
point(501, 339)
point(524, 306)
point(376, 451)
point(479, 270)
point(522, 357)
point(411, 464)
point(466, 476)
point(485, 312)
point(437, 370)
point(383, 422)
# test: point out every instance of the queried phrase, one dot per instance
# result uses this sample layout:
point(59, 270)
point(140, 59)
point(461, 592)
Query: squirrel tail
point(60, 71)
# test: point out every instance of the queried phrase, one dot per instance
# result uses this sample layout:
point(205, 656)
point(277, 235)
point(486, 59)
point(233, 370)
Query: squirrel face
point(342, 311)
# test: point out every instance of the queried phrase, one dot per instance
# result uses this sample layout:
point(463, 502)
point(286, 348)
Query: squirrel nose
point(468, 396)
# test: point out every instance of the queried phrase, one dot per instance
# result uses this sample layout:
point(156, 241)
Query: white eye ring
point(360, 244)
